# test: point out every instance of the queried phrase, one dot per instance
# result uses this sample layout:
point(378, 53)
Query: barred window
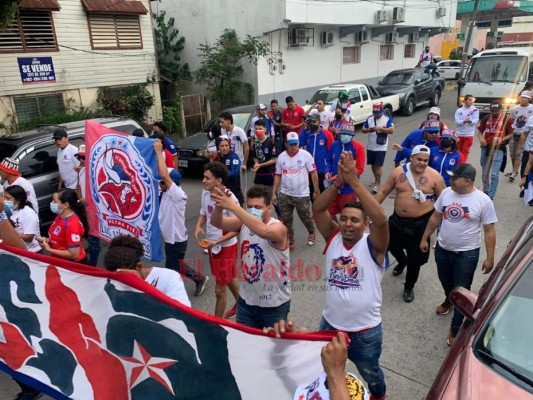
point(28, 108)
point(386, 52)
point(115, 31)
point(31, 31)
point(409, 51)
point(351, 55)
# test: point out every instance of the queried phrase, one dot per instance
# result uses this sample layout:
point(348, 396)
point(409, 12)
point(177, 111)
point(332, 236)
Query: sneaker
point(375, 189)
point(231, 312)
point(292, 246)
point(508, 174)
point(444, 308)
point(28, 396)
point(398, 269)
point(521, 195)
point(408, 295)
point(311, 239)
point(451, 338)
point(513, 176)
point(200, 286)
point(206, 251)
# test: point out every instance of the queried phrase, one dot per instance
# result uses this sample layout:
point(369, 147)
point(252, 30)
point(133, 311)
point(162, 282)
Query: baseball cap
point(527, 94)
point(420, 149)
point(174, 175)
point(377, 108)
point(318, 389)
point(314, 116)
point(9, 166)
point(347, 129)
point(261, 106)
point(431, 125)
point(466, 171)
point(293, 138)
point(59, 134)
point(496, 106)
point(434, 110)
point(449, 133)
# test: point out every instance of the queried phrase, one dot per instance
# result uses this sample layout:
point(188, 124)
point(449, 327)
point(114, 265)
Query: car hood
point(472, 380)
point(194, 142)
point(391, 89)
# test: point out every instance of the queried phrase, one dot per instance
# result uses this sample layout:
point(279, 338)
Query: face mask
point(55, 208)
point(8, 204)
point(260, 134)
point(446, 142)
point(346, 139)
point(313, 128)
point(256, 213)
point(338, 116)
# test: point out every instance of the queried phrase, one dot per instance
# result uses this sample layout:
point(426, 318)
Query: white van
point(497, 74)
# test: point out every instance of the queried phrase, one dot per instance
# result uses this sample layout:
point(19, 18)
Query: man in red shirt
point(291, 117)
point(494, 132)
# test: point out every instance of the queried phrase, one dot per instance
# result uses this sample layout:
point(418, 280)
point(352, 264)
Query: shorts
point(376, 158)
point(516, 152)
point(224, 264)
point(336, 206)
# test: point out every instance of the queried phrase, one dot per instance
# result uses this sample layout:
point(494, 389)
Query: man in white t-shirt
point(378, 126)
point(326, 116)
point(172, 221)
point(9, 172)
point(466, 119)
point(293, 167)
point(461, 211)
point(355, 264)
point(520, 113)
point(124, 255)
point(239, 141)
point(222, 245)
point(66, 160)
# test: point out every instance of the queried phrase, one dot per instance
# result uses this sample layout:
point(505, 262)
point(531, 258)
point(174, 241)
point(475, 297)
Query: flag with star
point(78, 332)
point(122, 187)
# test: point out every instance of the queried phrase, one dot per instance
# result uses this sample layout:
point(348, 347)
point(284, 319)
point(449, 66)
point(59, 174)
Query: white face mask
point(9, 204)
point(55, 208)
point(346, 139)
point(256, 213)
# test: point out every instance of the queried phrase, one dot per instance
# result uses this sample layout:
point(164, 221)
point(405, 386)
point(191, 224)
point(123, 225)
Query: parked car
point(415, 86)
point(437, 59)
point(36, 154)
point(193, 149)
point(492, 356)
point(449, 69)
point(361, 97)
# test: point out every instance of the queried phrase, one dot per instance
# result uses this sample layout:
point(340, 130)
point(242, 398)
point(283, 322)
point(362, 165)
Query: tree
point(222, 67)
point(168, 47)
point(8, 11)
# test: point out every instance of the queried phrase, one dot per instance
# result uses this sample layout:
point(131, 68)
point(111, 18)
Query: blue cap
point(174, 175)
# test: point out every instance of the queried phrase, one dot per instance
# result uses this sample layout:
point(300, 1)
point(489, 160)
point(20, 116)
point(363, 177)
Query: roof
point(242, 109)
point(114, 6)
point(506, 51)
point(51, 5)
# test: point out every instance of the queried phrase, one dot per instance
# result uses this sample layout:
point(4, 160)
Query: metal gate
point(196, 112)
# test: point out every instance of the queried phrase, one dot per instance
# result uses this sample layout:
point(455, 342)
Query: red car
point(492, 356)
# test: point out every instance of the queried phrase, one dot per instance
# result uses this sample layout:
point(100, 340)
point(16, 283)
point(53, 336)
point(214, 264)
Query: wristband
point(3, 216)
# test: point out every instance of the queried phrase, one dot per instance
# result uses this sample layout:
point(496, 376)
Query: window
point(364, 93)
point(115, 31)
point(386, 52)
point(29, 108)
point(409, 51)
point(31, 31)
point(351, 55)
point(354, 96)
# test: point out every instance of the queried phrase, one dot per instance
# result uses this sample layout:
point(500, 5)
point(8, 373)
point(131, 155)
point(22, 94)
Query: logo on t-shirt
point(253, 261)
point(344, 272)
point(57, 230)
point(75, 238)
point(455, 212)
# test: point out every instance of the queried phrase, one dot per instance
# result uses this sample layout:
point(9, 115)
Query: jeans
point(94, 249)
point(174, 255)
point(364, 351)
point(456, 268)
point(261, 317)
point(490, 167)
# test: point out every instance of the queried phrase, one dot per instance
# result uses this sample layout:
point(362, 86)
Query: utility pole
point(469, 38)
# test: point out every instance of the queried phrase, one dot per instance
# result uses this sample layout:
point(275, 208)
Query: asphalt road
point(414, 336)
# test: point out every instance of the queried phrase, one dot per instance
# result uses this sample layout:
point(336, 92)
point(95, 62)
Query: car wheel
point(435, 99)
point(387, 110)
point(457, 76)
point(409, 107)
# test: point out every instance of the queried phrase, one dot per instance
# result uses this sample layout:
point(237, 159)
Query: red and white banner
point(77, 332)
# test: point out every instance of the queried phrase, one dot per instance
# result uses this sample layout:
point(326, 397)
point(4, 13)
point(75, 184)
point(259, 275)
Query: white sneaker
point(375, 189)
point(513, 176)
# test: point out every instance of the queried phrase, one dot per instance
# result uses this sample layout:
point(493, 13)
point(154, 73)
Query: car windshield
point(398, 79)
point(327, 95)
point(240, 119)
point(506, 342)
point(498, 69)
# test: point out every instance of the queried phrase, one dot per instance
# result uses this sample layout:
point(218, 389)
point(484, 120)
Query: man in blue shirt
point(426, 136)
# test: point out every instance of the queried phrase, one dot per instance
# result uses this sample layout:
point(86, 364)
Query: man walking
point(520, 114)
point(378, 127)
point(355, 264)
point(66, 160)
point(426, 136)
point(262, 116)
point(293, 168)
point(466, 119)
point(291, 117)
point(265, 295)
point(238, 140)
point(460, 211)
point(416, 186)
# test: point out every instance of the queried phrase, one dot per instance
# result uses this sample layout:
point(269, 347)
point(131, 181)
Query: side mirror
point(465, 301)
point(380, 82)
point(307, 102)
point(417, 81)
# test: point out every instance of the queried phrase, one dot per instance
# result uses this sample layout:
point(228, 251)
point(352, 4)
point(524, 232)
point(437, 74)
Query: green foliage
point(8, 11)
point(133, 101)
point(168, 48)
point(222, 67)
point(172, 117)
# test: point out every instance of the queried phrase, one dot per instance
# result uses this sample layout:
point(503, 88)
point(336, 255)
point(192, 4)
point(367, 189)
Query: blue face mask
point(346, 139)
point(8, 204)
point(256, 213)
point(55, 208)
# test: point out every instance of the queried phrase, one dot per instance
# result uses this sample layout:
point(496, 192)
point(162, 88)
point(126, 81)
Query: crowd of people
point(309, 161)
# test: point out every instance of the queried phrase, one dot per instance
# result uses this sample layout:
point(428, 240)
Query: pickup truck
point(415, 86)
point(361, 97)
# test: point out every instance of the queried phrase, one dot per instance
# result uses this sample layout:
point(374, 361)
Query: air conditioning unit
point(381, 16)
point(441, 12)
point(361, 37)
point(414, 37)
point(300, 37)
point(326, 38)
point(392, 37)
point(398, 14)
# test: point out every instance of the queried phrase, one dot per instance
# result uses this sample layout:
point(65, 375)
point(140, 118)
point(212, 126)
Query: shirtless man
point(412, 209)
